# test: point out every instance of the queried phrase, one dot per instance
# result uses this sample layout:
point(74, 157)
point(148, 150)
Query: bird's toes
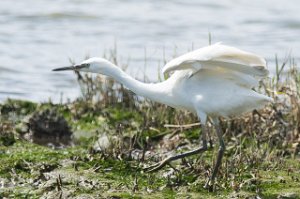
point(151, 168)
point(209, 186)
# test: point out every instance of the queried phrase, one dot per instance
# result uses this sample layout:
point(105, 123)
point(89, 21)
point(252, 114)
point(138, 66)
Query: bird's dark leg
point(210, 182)
point(166, 161)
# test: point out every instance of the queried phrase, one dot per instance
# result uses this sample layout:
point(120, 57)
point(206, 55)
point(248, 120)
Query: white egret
point(214, 81)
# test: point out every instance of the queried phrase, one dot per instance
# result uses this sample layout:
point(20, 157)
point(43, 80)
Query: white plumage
point(213, 81)
point(219, 56)
point(216, 80)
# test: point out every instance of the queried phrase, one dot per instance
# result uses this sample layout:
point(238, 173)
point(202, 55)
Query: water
point(36, 36)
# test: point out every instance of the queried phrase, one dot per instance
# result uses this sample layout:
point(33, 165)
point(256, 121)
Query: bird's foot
point(158, 166)
point(166, 161)
point(209, 185)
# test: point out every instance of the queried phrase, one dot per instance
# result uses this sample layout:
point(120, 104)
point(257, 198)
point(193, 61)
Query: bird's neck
point(158, 92)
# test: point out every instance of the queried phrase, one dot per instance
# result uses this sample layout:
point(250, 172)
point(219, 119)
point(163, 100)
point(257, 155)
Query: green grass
point(262, 157)
point(86, 173)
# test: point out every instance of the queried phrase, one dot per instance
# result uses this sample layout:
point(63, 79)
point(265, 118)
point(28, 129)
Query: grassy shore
point(116, 134)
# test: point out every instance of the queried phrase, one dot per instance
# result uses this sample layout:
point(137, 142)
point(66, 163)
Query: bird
point(213, 82)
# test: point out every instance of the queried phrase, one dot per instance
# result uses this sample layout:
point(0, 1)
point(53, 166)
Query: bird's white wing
point(219, 57)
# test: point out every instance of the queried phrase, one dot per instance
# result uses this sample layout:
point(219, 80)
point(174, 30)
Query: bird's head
point(93, 65)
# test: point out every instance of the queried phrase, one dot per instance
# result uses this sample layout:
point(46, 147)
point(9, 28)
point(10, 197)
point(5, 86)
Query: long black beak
point(65, 68)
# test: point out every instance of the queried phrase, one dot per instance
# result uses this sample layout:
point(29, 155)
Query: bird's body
point(213, 94)
point(213, 81)
point(203, 87)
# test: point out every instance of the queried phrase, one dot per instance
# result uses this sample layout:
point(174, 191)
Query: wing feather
point(219, 56)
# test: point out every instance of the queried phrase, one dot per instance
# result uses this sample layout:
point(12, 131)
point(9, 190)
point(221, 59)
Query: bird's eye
point(86, 65)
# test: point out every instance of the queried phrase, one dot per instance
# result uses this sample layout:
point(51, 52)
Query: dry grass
point(262, 157)
point(261, 136)
point(277, 124)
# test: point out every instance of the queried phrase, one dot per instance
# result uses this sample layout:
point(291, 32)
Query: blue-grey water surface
point(38, 35)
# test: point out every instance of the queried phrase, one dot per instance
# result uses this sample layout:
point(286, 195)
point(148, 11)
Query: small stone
point(103, 143)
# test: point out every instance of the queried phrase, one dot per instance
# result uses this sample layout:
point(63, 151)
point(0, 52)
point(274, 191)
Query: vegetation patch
point(114, 135)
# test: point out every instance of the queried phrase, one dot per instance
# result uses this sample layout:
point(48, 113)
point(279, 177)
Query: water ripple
point(45, 34)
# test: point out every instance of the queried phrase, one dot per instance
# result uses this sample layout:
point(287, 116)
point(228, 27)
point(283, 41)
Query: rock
point(103, 143)
point(107, 143)
point(48, 127)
